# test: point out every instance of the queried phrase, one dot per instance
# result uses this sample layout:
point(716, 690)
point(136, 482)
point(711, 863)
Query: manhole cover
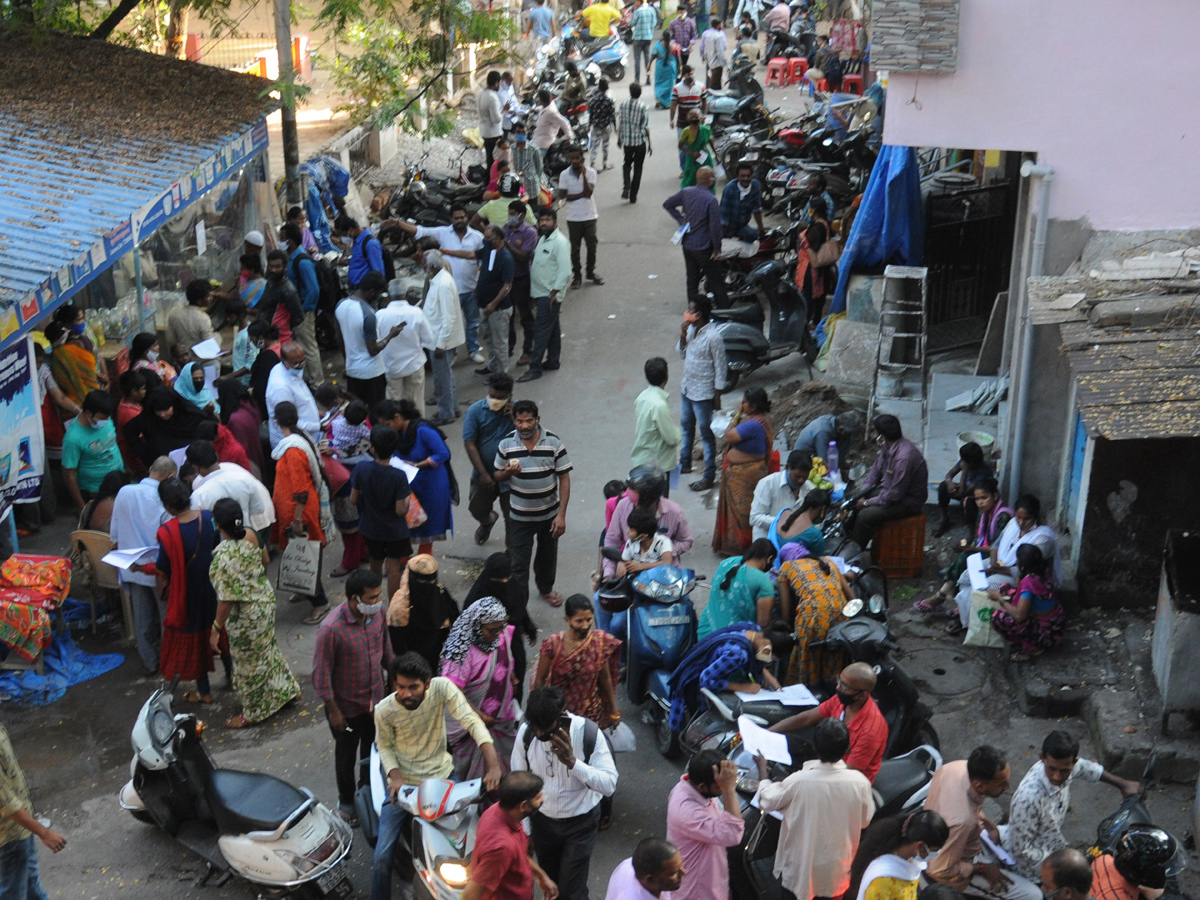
point(945, 671)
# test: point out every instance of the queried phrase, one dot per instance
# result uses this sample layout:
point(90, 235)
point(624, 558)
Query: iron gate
point(968, 248)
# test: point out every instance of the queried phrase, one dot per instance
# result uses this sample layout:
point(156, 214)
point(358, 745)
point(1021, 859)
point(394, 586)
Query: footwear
point(550, 367)
point(685, 469)
point(955, 627)
point(478, 357)
point(483, 372)
point(633, 199)
point(483, 532)
point(439, 422)
point(297, 598)
point(238, 721)
point(595, 279)
point(554, 598)
point(702, 485)
point(339, 572)
point(605, 822)
point(576, 282)
point(929, 604)
point(524, 360)
point(346, 814)
point(625, 194)
point(197, 697)
point(315, 617)
point(529, 376)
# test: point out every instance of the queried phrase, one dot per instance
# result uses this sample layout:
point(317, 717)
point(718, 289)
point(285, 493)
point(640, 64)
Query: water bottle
point(831, 460)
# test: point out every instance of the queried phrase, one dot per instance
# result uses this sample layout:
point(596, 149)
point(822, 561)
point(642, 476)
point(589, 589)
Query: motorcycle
point(610, 54)
point(245, 823)
point(434, 850)
point(740, 325)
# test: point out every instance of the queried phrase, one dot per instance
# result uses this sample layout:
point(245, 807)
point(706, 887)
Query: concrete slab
point(852, 355)
point(1126, 739)
point(864, 298)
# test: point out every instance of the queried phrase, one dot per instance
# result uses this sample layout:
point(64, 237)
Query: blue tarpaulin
point(64, 663)
point(890, 226)
point(327, 178)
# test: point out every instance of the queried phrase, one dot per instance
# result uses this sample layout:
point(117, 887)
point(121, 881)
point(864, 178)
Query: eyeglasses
point(843, 688)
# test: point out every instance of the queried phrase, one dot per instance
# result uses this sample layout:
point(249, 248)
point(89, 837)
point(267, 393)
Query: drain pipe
point(1029, 169)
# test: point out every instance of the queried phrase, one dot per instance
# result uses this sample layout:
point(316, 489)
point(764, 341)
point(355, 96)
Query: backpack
point(389, 264)
point(591, 732)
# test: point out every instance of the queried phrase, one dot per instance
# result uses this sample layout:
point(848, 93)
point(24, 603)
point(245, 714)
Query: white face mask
point(152, 355)
point(370, 609)
point(764, 655)
point(923, 858)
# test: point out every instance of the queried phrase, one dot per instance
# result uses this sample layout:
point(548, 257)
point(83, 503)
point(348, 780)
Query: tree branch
point(113, 19)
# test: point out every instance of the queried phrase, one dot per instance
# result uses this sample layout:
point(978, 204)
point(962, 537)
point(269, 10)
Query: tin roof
point(93, 136)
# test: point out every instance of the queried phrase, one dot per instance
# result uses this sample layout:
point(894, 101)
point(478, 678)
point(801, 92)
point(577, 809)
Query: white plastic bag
point(622, 739)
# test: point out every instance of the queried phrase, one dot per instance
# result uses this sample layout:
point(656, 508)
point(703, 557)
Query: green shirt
point(737, 604)
point(91, 452)
point(550, 266)
point(496, 211)
point(656, 434)
point(14, 792)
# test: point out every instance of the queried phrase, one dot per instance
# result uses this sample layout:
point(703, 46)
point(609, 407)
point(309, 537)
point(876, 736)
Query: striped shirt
point(633, 121)
point(534, 490)
point(414, 740)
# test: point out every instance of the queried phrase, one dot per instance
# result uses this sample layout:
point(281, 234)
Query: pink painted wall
point(1104, 91)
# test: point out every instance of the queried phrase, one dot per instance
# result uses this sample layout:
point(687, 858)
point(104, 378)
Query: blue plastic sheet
point(327, 178)
point(65, 665)
point(890, 226)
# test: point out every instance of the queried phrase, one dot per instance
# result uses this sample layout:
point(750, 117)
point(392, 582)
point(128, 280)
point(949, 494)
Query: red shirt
point(868, 735)
point(500, 861)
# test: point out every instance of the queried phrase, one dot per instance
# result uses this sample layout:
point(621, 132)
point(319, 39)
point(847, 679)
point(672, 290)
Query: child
point(244, 349)
point(612, 496)
point(350, 431)
point(646, 548)
point(381, 492)
point(1030, 617)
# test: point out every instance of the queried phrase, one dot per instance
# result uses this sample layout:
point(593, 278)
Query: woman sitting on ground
point(749, 437)
point(1030, 617)
point(992, 518)
point(741, 590)
point(802, 524)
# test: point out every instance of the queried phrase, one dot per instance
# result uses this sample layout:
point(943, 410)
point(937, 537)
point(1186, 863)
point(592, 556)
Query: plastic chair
point(777, 72)
point(852, 84)
point(822, 85)
point(796, 69)
point(93, 545)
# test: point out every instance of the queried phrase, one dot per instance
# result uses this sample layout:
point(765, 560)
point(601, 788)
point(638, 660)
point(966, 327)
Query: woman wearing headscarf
point(493, 581)
point(73, 363)
point(749, 438)
point(191, 386)
point(240, 415)
point(478, 658)
point(144, 357)
point(424, 446)
point(166, 422)
point(421, 612)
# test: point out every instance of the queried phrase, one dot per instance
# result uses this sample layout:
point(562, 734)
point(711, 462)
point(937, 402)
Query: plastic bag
point(416, 515)
point(622, 739)
point(980, 632)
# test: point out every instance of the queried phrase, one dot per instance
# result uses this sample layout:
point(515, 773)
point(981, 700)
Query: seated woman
point(741, 590)
point(734, 658)
point(802, 524)
point(992, 518)
point(97, 512)
point(1030, 616)
point(749, 437)
point(813, 591)
point(959, 484)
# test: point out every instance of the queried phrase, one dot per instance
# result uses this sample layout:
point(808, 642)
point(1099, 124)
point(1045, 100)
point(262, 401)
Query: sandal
point(605, 821)
point(339, 572)
point(929, 604)
point(238, 721)
point(702, 485)
point(554, 598)
point(1024, 655)
point(955, 627)
point(347, 816)
point(315, 617)
point(298, 598)
point(197, 697)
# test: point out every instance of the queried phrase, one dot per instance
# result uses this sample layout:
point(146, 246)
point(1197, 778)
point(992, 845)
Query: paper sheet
point(123, 559)
point(207, 349)
point(754, 802)
point(179, 457)
point(979, 580)
point(409, 470)
point(758, 740)
point(999, 852)
point(792, 695)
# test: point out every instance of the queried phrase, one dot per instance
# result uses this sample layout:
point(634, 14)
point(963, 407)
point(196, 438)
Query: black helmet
point(1146, 855)
point(648, 482)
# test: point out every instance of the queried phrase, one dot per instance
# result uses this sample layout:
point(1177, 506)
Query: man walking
point(520, 239)
point(302, 272)
point(491, 116)
point(633, 136)
point(410, 733)
point(365, 368)
point(683, 33)
point(697, 208)
point(740, 201)
point(656, 436)
point(714, 50)
point(404, 354)
point(688, 94)
point(540, 21)
point(704, 371)
point(501, 868)
point(492, 291)
point(549, 125)
point(703, 830)
point(825, 807)
point(643, 23)
point(286, 383)
point(549, 273)
point(573, 760)
point(444, 313)
point(136, 516)
point(601, 114)
point(351, 652)
point(575, 185)
point(655, 867)
point(485, 424)
point(537, 468)
point(19, 877)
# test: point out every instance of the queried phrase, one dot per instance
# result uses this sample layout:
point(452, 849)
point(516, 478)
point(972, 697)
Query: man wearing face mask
point(485, 423)
point(410, 733)
point(499, 210)
point(701, 828)
point(89, 450)
point(688, 94)
point(496, 268)
point(286, 382)
point(574, 761)
point(527, 162)
point(520, 238)
point(854, 705)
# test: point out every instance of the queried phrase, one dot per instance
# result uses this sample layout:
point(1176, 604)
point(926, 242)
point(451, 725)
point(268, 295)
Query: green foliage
point(69, 16)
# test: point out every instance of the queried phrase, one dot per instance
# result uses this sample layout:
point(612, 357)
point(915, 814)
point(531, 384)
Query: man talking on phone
point(410, 733)
point(404, 355)
point(573, 760)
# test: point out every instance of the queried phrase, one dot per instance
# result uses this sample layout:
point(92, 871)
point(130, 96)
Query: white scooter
point(435, 849)
point(242, 823)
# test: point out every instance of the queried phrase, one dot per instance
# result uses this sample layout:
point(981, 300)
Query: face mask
point(845, 698)
point(689, 81)
point(296, 373)
point(497, 405)
point(370, 609)
point(519, 137)
point(924, 857)
point(152, 355)
point(764, 655)
point(514, 221)
point(77, 328)
point(96, 426)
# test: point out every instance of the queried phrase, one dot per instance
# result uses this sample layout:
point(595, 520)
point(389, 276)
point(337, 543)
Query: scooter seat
point(249, 801)
point(900, 777)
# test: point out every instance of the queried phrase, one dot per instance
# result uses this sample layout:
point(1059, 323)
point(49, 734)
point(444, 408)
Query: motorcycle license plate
point(669, 620)
point(335, 883)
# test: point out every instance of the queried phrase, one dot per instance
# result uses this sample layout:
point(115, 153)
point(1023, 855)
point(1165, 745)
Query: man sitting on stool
point(897, 485)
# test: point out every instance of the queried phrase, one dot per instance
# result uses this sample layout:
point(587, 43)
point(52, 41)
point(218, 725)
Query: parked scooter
point(611, 54)
point(241, 823)
point(740, 325)
point(433, 853)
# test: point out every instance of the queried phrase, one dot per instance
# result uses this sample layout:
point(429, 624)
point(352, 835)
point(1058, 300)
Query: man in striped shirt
point(535, 464)
point(633, 135)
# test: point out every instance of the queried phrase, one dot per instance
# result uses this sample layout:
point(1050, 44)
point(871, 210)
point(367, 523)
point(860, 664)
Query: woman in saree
point(478, 658)
point(992, 517)
point(144, 357)
point(191, 386)
point(802, 524)
point(421, 613)
point(240, 415)
point(493, 581)
point(246, 613)
point(812, 593)
point(1030, 617)
point(695, 143)
point(741, 590)
point(749, 437)
point(166, 422)
point(1024, 528)
point(815, 281)
point(301, 496)
point(666, 70)
point(73, 364)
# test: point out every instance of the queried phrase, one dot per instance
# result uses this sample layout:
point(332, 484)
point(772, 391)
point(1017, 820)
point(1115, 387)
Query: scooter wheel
point(615, 72)
point(668, 740)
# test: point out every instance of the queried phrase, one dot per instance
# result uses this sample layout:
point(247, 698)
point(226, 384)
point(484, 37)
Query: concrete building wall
point(1097, 88)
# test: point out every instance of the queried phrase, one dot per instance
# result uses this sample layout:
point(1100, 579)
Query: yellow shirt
point(14, 792)
point(599, 17)
point(414, 740)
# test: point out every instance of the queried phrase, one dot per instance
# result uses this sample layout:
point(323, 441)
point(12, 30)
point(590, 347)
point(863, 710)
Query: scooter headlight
point(453, 873)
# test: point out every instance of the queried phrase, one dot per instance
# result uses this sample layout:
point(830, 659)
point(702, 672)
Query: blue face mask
point(295, 373)
point(519, 136)
point(78, 327)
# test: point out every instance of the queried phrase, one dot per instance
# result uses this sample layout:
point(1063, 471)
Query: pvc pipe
point(1029, 169)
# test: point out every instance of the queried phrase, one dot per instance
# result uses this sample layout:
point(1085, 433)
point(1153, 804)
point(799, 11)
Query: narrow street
point(76, 752)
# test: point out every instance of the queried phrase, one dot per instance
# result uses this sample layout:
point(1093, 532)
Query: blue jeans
point(547, 336)
point(470, 311)
point(19, 871)
point(746, 232)
point(616, 624)
point(392, 822)
point(691, 414)
point(444, 393)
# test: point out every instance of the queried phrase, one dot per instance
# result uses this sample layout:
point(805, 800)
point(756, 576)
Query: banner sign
point(21, 450)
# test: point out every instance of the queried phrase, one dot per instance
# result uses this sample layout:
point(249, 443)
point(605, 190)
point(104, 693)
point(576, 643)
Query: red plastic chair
point(852, 84)
point(777, 72)
point(796, 69)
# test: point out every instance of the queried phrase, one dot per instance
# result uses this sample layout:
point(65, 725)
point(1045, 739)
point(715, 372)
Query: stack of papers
point(758, 740)
point(123, 559)
point(792, 695)
point(975, 564)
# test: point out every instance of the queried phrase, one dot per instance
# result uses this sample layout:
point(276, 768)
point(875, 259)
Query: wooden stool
point(777, 72)
point(852, 84)
point(796, 69)
point(899, 547)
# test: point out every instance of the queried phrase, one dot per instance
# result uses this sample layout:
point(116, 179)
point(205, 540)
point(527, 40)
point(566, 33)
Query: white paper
point(201, 238)
point(409, 470)
point(758, 740)
point(207, 349)
point(840, 562)
point(979, 579)
point(757, 805)
point(179, 457)
point(210, 378)
point(123, 559)
point(792, 695)
point(679, 233)
point(999, 852)
point(720, 422)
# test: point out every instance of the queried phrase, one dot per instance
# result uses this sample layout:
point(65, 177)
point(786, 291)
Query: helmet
point(1146, 855)
point(648, 482)
point(510, 184)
